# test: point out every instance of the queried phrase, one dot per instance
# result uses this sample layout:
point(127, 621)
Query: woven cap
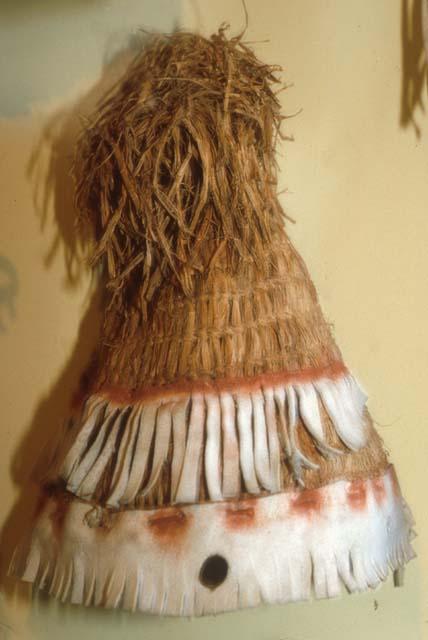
point(223, 455)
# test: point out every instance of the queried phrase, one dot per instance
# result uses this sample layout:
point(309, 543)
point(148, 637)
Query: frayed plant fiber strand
point(177, 170)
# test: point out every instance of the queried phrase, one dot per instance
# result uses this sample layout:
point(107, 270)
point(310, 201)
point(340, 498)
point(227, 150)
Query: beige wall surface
point(356, 180)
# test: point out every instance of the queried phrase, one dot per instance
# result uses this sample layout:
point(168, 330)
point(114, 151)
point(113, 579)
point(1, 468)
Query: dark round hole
point(213, 572)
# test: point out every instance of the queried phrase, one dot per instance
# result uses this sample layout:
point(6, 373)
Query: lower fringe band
point(213, 557)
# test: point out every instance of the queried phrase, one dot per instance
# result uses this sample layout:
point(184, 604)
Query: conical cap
point(222, 454)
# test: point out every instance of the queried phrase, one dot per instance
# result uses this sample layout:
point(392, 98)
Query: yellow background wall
point(357, 180)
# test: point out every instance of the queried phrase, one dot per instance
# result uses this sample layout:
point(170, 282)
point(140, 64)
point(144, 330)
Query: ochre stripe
point(123, 396)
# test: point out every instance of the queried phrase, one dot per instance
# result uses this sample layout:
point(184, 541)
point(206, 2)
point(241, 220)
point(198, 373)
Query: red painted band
point(175, 390)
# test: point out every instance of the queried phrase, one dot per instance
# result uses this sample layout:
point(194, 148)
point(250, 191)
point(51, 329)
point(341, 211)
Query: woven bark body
point(218, 419)
point(236, 324)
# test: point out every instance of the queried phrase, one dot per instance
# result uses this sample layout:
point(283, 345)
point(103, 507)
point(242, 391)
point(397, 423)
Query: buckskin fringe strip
point(343, 534)
point(220, 437)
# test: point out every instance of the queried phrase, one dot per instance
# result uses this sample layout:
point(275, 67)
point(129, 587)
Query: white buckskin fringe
point(273, 549)
point(227, 435)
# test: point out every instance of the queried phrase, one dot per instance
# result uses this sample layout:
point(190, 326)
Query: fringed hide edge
point(227, 440)
point(273, 549)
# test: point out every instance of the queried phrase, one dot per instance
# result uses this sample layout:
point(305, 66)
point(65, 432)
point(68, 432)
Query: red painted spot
point(307, 502)
point(378, 486)
point(356, 494)
point(240, 517)
point(169, 525)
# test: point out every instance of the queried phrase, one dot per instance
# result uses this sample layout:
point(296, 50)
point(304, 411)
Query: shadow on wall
point(8, 291)
point(54, 190)
point(414, 87)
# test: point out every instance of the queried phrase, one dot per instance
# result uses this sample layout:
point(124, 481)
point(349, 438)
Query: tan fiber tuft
point(177, 169)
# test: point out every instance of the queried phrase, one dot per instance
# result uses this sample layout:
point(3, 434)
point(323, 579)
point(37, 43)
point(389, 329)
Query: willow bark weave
point(220, 454)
